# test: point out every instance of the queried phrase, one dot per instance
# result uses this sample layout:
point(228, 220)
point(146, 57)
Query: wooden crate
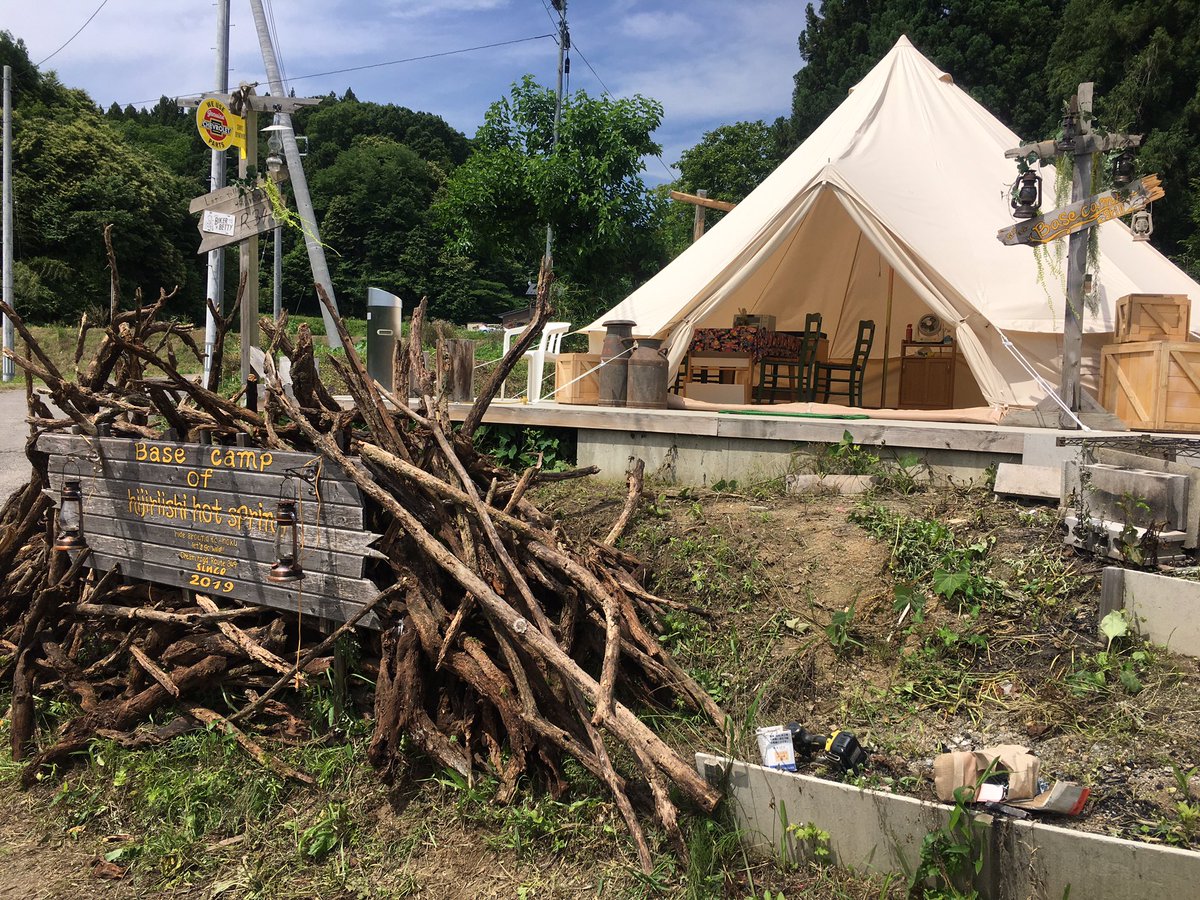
point(1152, 385)
point(585, 391)
point(1153, 317)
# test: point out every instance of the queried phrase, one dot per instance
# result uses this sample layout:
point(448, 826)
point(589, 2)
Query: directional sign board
point(232, 214)
point(202, 517)
point(1087, 213)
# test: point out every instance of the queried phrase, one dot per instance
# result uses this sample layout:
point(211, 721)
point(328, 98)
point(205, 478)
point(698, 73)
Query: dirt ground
point(799, 615)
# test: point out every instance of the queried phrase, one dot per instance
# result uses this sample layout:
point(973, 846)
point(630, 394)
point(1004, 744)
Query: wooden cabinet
point(927, 375)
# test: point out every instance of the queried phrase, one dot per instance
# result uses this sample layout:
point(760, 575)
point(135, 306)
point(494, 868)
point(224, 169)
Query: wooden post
point(461, 368)
point(887, 337)
point(248, 252)
point(1081, 187)
point(698, 221)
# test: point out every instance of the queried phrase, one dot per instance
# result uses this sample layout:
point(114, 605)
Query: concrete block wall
point(871, 830)
point(1165, 610)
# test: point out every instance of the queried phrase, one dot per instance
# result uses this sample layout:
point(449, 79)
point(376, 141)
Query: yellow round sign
point(218, 127)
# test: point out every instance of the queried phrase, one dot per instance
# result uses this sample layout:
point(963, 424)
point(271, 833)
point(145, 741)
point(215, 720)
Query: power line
point(378, 65)
point(76, 34)
point(270, 10)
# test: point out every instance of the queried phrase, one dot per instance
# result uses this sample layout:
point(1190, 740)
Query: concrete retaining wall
point(1165, 610)
point(871, 830)
point(703, 459)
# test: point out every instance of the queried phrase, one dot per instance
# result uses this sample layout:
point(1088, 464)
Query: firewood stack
point(503, 644)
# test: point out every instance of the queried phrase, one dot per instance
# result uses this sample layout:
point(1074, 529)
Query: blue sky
point(710, 62)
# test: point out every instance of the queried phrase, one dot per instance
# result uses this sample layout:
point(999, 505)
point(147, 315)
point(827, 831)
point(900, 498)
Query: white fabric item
point(907, 174)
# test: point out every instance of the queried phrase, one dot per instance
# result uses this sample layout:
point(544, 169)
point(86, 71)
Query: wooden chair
point(791, 376)
point(850, 374)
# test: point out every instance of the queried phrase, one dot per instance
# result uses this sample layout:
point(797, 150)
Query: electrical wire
point(378, 65)
point(270, 10)
point(76, 34)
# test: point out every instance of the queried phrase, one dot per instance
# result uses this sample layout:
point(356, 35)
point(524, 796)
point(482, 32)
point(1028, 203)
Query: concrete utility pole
point(216, 258)
point(564, 65)
point(8, 368)
point(304, 207)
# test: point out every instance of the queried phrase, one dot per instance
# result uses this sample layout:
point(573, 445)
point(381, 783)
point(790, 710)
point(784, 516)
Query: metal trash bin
point(384, 314)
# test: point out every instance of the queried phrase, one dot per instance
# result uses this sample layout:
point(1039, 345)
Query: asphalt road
point(14, 467)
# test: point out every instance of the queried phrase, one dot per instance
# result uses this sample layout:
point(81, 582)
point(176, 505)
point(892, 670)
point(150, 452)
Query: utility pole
point(564, 65)
point(8, 368)
point(216, 258)
point(304, 207)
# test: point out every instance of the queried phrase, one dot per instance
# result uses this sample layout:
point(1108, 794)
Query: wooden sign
point(202, 517)
point(228, 218)
point(1087, 213)
point(219, 127)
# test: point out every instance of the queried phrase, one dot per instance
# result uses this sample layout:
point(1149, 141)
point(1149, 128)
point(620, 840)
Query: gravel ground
point(14, 467)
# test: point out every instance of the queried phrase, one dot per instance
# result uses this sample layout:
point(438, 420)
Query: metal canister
point(384, 311)
point(648, 368)
point(613, 377)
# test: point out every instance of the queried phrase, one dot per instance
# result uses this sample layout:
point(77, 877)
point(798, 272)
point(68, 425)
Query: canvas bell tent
point(889, 212)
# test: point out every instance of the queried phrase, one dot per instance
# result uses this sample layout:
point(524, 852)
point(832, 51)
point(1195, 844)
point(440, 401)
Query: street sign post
point(1078, 143)
point(227, 218)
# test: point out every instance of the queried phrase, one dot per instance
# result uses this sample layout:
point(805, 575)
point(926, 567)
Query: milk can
point(648, 368)
point(613, 377)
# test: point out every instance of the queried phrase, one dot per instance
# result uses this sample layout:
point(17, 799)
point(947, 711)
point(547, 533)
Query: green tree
point(1144, 57)
point(334, 125)
point(496, 205)
point(996, 50)
point(729, 162)
point(73, 174)
point(367, 203)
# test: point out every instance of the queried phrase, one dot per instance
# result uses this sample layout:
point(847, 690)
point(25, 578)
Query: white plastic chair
point(547, 348)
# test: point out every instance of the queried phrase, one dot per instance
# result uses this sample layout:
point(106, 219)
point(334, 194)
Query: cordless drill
point(840, 748)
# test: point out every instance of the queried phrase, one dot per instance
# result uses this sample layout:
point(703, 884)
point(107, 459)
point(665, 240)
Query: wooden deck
point(964, 437)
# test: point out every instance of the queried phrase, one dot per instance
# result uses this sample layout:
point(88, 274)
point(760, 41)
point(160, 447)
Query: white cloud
point(660, 26)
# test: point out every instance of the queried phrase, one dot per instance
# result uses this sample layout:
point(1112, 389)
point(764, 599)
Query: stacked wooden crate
point(576, 380)
point(1150, 378)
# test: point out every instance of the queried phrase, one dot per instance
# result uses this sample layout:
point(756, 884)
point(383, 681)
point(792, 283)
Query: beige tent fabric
point(907, 175)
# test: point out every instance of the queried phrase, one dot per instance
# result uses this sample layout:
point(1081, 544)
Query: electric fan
point(931, 329)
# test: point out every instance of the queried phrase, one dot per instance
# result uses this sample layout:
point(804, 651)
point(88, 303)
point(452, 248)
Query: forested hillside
point(407, 203)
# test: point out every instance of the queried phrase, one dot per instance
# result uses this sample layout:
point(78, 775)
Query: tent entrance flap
point(824, 261)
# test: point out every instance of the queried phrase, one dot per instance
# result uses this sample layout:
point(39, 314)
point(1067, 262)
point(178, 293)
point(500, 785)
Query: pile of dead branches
point(504, 646)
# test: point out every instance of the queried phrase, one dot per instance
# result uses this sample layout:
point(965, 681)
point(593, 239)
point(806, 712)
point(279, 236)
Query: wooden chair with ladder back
point(792, 376)
point(849, 374)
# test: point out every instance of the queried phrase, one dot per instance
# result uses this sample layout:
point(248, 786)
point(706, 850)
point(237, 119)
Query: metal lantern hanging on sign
point(287, 545)
point(1123, 169)
point(70, 517)
point(1027, 196)
point(1142, 225)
